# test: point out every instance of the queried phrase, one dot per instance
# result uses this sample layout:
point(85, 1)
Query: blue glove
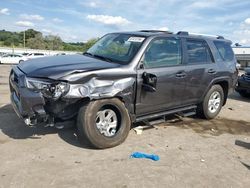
point(144, 155)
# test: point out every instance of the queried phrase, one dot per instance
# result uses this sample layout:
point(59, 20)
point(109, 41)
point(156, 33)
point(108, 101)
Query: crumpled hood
point(58, 66)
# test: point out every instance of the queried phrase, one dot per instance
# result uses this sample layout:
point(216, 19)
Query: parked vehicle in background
point(12, 59)
point(125, 78)
point(35, 55)
point(60, 54)
point(2, 53)
point(243, 87)
point(25, 54)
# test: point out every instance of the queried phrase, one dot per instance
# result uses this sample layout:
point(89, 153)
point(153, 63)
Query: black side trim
point(155, 115)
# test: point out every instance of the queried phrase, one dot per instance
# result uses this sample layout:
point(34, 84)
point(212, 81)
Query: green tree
point(89, 44)
point(53, 42)
point(37, 42)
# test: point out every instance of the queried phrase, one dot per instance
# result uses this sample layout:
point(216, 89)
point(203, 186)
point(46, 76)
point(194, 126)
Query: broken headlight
point(48, 89)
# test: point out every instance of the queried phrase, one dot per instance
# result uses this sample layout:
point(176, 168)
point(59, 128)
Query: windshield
point(120, 48)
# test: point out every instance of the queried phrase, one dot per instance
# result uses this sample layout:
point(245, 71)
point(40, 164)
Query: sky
point(81, 20)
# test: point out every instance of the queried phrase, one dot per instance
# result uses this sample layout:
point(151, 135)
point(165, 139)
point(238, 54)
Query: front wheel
point(103, 123)
point(212, 102)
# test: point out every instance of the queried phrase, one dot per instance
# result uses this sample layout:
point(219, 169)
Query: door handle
point(181, 75)
point(211, 71)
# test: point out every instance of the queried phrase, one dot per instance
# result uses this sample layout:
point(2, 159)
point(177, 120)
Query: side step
point(185, 111)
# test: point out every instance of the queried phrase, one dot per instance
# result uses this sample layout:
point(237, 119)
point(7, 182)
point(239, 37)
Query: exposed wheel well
point(224, 85)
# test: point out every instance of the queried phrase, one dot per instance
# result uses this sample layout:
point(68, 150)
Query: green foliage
point(35, 40)
point(88, 44)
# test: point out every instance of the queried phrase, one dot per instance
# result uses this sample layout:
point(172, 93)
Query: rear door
point(200, 69)
point(161, 63)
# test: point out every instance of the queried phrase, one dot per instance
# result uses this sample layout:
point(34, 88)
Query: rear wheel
point(103, 123)
point(212, 102)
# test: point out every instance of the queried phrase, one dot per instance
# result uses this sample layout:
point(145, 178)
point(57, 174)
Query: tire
point(20, 61)
point(89, 118)
point(210, 108)
point(244, 94)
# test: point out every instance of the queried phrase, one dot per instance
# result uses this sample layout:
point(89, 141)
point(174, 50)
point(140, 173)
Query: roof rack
point(199, 34)
point(156, 31)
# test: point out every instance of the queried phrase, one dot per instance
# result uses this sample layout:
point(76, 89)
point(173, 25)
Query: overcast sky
point(80, 20)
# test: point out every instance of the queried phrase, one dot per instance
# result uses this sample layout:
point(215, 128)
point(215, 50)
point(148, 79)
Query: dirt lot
point(193, 152)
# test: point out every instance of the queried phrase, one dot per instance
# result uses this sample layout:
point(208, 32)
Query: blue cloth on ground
point(144, 155)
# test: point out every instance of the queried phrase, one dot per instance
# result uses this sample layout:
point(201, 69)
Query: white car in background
point(12, 59)
point(35, 55)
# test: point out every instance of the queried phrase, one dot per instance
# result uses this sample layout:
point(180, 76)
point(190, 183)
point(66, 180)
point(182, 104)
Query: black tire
point(204, 110)
point(87, 128)
point(20, 61)
point(244, 94)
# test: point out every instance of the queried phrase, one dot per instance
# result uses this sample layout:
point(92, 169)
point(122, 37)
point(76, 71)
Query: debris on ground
point(145, 155)
point(139, 129)
point(213, 130)
point(203, 160)
point(230, 109)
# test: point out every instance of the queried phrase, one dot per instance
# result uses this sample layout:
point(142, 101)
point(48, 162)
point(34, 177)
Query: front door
point(161, 77)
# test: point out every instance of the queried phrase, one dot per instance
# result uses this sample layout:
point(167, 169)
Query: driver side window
point(163, 52)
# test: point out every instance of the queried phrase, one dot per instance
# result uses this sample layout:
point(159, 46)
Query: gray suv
point(124, 78)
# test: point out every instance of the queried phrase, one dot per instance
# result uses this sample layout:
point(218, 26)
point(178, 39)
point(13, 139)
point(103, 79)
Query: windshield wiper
point(98, 56)
point(103, 58)
point(87, 53)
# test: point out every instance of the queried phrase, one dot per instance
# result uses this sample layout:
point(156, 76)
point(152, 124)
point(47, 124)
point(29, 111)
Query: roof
point(241, 47)
point(148, 33)
point(243, 57)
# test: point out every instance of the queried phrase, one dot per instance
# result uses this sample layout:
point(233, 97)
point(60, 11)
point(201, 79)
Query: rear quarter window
point(225, 51)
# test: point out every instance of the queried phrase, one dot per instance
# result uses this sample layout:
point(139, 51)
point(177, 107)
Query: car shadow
point(15, 128)
point(238, 97)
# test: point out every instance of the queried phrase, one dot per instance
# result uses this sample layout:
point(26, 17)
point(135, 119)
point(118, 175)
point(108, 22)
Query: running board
point(174, 111)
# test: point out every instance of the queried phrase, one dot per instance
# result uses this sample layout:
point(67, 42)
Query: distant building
point(242, 54)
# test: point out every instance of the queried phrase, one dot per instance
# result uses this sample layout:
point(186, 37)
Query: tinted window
point(225, 50)
point(198, 52)
point(163, 52)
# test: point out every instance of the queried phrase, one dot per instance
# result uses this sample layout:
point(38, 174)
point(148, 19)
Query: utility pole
point(24, 39)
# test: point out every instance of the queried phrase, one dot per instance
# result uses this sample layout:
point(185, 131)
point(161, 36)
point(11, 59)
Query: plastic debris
point(203, 160)
point(138, 129)
point(144, 155)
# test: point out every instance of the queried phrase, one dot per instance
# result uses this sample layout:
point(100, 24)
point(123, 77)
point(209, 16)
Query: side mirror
point(149, 82)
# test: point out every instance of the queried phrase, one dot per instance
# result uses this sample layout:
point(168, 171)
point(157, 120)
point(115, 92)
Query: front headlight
point(48, 89)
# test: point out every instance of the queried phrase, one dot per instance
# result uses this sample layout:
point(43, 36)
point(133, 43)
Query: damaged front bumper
point(27, 104)
point(33, 107)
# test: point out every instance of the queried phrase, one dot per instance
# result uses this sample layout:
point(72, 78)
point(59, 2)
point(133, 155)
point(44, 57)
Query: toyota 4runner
point(124, 78)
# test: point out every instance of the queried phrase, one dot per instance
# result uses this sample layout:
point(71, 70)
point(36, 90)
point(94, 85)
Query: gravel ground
point(193, 152)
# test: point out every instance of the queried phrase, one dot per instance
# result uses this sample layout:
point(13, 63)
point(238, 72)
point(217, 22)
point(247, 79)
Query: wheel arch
point(224, 83)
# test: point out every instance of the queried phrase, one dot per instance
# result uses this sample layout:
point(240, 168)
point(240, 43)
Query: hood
point(58, 66)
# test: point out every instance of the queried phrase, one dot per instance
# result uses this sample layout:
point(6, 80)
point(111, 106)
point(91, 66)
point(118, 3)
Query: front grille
point(14, 84)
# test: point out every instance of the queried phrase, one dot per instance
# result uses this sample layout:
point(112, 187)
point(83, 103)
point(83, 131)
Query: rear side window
point(225, 50)
point(198, 52)
point(163, 52)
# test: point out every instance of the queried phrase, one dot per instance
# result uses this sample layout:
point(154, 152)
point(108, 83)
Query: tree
point(53, 42)
point(37, 42)
point(89, 44)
